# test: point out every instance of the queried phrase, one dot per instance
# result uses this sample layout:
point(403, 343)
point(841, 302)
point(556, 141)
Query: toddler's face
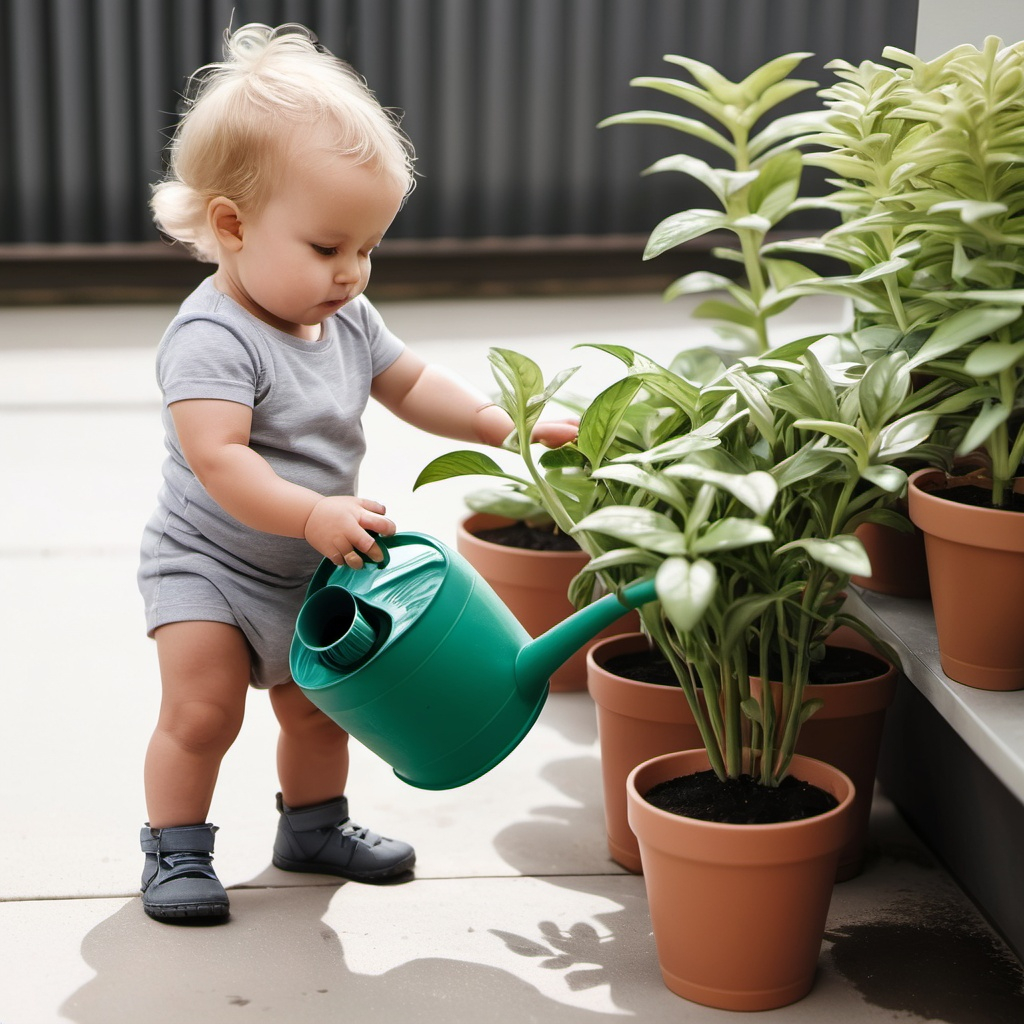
point(308, 252)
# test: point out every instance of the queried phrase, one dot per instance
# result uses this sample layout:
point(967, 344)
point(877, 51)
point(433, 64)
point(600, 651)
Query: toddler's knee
point(201, 726)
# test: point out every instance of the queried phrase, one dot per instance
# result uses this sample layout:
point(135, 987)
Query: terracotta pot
point(898, 564)
point(976, 567)
point(738, 910)
point(534, 585)
point(847, 733)
point(635, 722)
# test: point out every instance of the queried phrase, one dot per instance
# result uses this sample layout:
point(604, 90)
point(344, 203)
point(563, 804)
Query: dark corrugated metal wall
point(500, 97)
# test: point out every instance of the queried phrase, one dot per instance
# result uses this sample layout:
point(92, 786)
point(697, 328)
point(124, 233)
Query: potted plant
point(925, 156)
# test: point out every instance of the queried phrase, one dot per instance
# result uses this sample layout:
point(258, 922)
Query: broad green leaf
point(905, 434)
point(752, 709)
point(695, 283)
point(657, 484)
point(621, 557)
point(508, 504)
point(681, 227)
point(991, 416)
point(686, 125)
point(730, 533)
point(889, 478)
point(810, 707)
point(883, 389)
point(992, 358)
point(717, 84)
point(849, 436)
point(756, 490)
point(462, 463)
point(673, 449)
point(640, 527)
point(686, 590)
point(721, 182)
point(960, 328)
point(843, 554)
point(599, 423)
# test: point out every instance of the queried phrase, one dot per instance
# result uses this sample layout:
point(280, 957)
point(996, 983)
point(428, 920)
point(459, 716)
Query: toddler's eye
point(324, 250)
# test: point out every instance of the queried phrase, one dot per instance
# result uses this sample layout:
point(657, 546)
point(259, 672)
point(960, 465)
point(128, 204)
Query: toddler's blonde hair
point(241, 120)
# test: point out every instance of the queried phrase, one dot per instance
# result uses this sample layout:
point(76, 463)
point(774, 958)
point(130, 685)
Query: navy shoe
point(178, 880)
point(323, 839)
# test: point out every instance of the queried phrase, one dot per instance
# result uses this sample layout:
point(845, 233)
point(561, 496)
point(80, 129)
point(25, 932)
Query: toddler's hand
point(338, 527)
point(555, 433)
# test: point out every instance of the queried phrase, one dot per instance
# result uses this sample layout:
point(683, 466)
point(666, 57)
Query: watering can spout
point(540, 657)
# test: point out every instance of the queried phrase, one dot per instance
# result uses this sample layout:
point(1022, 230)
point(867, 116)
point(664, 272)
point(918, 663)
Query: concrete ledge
point(953, 762)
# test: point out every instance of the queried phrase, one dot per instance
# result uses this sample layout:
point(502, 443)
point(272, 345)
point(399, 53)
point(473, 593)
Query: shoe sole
point(403, 867)
point(177, 911)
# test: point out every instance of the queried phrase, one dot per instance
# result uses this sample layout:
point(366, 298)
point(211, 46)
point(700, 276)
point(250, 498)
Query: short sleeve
point(385, 347)
point(204, 357)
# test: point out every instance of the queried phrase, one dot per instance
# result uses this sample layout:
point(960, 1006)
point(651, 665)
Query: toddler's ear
point(226, 223)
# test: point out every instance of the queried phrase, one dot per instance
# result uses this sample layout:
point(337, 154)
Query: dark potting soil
point(840, 665)
point(642, 667)
point(519, 535)
point(740, 801)
point(980, 497)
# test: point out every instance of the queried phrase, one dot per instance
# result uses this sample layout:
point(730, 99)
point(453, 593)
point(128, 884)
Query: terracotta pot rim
point(727, 828)
point(950, 520)
point(553, 556)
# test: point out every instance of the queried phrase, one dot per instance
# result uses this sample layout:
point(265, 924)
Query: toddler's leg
point(312, 751)
point(315, 832)
point(204, 670)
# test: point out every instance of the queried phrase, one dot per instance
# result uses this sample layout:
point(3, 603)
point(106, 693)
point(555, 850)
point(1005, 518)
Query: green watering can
point(423, 663)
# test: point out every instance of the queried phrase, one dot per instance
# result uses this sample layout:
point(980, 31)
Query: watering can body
point(450, 682)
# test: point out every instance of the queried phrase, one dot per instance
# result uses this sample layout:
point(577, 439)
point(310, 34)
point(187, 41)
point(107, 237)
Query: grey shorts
point(180, 584)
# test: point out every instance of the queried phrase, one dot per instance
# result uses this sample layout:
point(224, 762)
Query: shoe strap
point(179, 839)
point(309, 819)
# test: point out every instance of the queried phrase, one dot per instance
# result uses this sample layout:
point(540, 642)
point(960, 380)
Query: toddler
point(285, 173)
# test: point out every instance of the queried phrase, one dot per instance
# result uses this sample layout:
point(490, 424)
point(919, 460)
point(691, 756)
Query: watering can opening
point(340, 629)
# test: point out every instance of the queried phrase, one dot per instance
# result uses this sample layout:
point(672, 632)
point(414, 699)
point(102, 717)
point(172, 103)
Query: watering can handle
point(385, 544)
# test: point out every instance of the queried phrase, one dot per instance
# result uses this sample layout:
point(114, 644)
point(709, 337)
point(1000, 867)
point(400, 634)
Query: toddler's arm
point(214, 438)
point(437, 401)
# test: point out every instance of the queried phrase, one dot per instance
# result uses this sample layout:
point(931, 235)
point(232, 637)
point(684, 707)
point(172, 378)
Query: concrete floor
point(516, 913)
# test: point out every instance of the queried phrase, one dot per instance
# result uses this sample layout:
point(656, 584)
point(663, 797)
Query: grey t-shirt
point(307, 400)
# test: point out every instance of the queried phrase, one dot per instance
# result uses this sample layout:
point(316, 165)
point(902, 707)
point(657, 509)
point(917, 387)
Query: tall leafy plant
point(757, 188)
point(929, 183)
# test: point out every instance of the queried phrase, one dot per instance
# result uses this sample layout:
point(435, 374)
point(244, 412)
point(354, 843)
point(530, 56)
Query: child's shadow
point(278, 958)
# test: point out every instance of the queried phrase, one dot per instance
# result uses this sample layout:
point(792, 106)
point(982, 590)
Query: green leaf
point(757, 490)
point(622, 557)
point(730, 533)
point(850, 436)
point(681, 227)
point(686, 125)
point(640, 527)
point(599, 423)
point(889, 478)
point(695, 283)
point(508, 504)
point(905, 434)
point(843, 554)
point(462, 463)
point(656, 484)
point(752, 709)
point(993, 357)
point(686, 590)
point(991, 416)
point(960, 328)
point(810, 707)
